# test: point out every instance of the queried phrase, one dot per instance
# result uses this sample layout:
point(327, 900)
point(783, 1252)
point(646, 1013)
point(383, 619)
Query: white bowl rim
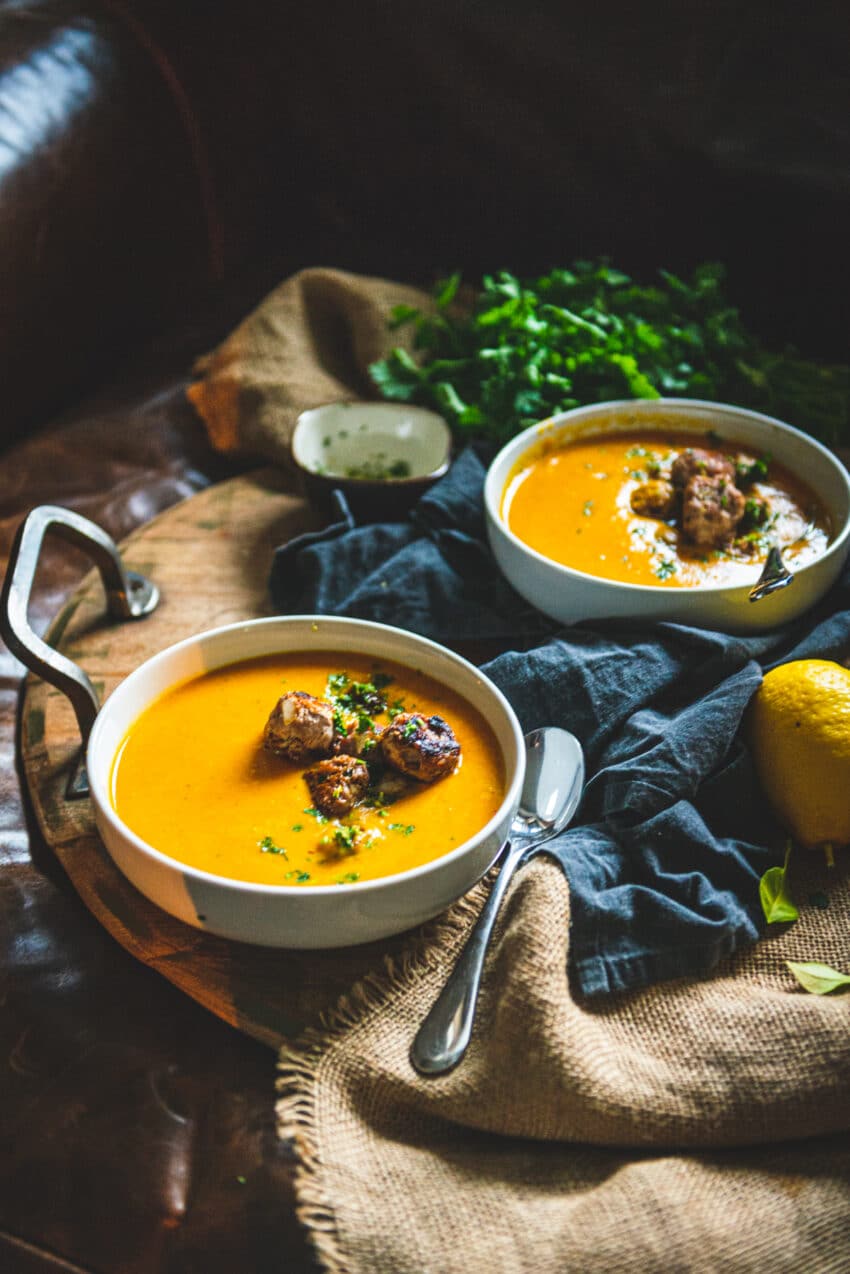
point(385, 407)
point(100, 793)
point(534, 432)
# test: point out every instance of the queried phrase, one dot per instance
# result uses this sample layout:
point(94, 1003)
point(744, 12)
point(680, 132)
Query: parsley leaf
point(267, 846)
point(528, 348)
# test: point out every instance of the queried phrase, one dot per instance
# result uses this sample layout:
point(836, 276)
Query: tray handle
point(128, 595)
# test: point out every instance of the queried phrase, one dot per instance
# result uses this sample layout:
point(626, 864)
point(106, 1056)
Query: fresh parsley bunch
point(528, 349)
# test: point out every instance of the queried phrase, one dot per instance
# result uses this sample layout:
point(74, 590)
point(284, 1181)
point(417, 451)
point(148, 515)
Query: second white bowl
point(569, 596)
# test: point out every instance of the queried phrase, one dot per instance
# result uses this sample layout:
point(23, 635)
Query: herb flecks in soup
point(671, 509)
point(195, 776)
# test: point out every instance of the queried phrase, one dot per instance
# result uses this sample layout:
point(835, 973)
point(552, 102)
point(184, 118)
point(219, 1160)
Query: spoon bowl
point(552, 787)
point(551, 792)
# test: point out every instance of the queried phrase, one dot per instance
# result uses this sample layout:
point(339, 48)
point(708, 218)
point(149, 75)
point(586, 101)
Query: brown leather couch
point(162, 165)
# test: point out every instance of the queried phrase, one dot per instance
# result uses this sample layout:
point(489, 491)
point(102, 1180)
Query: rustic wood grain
point(210, 557)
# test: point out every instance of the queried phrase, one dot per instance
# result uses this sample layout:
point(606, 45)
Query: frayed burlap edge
point(299, 1062)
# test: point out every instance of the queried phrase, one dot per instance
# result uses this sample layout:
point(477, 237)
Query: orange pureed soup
point(193, 780)
point(573, 503)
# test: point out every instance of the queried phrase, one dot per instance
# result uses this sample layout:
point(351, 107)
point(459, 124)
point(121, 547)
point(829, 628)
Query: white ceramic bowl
point(384, 456)
point(569, 595)
point(289, 916)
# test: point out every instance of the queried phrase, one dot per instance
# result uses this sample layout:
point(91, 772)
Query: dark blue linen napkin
point(673, 832)
point(432, 574)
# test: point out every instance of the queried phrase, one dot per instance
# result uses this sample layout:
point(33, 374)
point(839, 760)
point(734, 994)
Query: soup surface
point(193, 779)
point(619, 506)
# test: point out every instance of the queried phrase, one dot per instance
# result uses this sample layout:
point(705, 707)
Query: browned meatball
point(696, 462)
point(423, 748)
point(654, 499)
point(711, 510)
point(337, 784)
point(300, 727)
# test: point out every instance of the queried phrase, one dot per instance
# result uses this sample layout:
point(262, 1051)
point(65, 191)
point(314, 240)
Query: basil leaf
point(776, 902)
point(817, 978)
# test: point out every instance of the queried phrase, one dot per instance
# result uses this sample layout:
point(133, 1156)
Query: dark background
point(162, 165)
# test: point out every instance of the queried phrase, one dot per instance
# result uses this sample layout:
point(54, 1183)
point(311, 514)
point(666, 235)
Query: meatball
point(337, 784)
point(300, 727)
point(695, 462)
point(654, 499)
point(423, 748)
point(711, 510)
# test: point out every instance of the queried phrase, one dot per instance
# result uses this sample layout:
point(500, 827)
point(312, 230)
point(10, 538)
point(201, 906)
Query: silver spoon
point(551, 791)
point(775, 575)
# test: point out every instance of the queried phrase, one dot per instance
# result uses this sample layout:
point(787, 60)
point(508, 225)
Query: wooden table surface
point(137, 1130)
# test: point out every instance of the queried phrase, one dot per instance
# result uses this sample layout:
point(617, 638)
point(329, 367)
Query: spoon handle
point(774, 575)
point(442, 1038)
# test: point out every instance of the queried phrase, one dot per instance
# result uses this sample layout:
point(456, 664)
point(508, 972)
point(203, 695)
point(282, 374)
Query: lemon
point(800, 733)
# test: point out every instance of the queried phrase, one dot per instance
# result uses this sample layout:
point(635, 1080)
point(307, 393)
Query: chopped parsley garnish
point(344, 838)
point(587, 508)
point(298, 876)
point(377, 469)
point(316, 814)
point(297, 827)
point(755, 513)
point(665, 568)
point(361, 699)
point(404, 828)
point(267, 846)
point(410, 727)
point(748, 472)
point(349, 878)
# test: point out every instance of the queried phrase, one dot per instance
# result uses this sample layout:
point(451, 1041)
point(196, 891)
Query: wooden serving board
point(210, 557)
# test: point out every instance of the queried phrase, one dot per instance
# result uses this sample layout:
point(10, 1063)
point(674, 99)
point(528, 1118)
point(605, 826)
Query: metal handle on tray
point(128, 594)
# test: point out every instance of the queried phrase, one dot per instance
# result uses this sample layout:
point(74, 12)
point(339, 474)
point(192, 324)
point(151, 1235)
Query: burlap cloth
point(698, 1125)
point(310, 341)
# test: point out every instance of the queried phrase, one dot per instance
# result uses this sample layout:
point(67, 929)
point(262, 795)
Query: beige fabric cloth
point(310, 341)
point(693, 1126)
point(696, 1126)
